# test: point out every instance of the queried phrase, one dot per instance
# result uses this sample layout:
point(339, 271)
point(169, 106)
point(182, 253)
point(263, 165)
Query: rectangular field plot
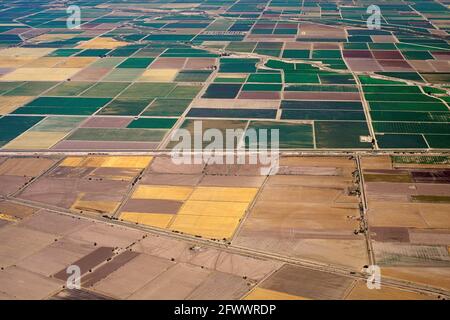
point(159, 75)
point(153, 123)
point(265, 78)
point(129, 134)
point(68, 89)
point(105, 90)
point(35, 140)
point(291, 135)
point(341, 134)
point(147, 90)
point(63, 106)
point(125, 107)
point(195, 127)
point(40, 74)
point(31, 88)
point(136, 63)
point(222, 91)
point(184, 92)
point(231, 113)
point(320, 105)
point(192, 76)
point(296, 283)
point(211, 212)
point(290, 114)
point(401, 141)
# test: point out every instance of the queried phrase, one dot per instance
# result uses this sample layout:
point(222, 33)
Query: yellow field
point(95, 206)
point(93, 162)
point(76, 62)
point(102, 43)
point(224, 194)
point(40, 74)
point(266, 294)
point(159, 75)
point(7, 217)
point(150, 219)
point(18, 57)
point(162, 192)
point(25, 52)
point(213, 208)
point(10, 103)
point(206, 226)
point(36, 140)
point(210, 212)
point(53, 37)
point(14, 62)
point(72, 162)
point(127, 162)
point(209, 219)
point(138, 162)
point(44, 62)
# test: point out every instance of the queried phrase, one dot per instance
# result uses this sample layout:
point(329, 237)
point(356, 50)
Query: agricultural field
point(135, 224)
point(408, 206)
point(92, 118)
point(128, 79)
